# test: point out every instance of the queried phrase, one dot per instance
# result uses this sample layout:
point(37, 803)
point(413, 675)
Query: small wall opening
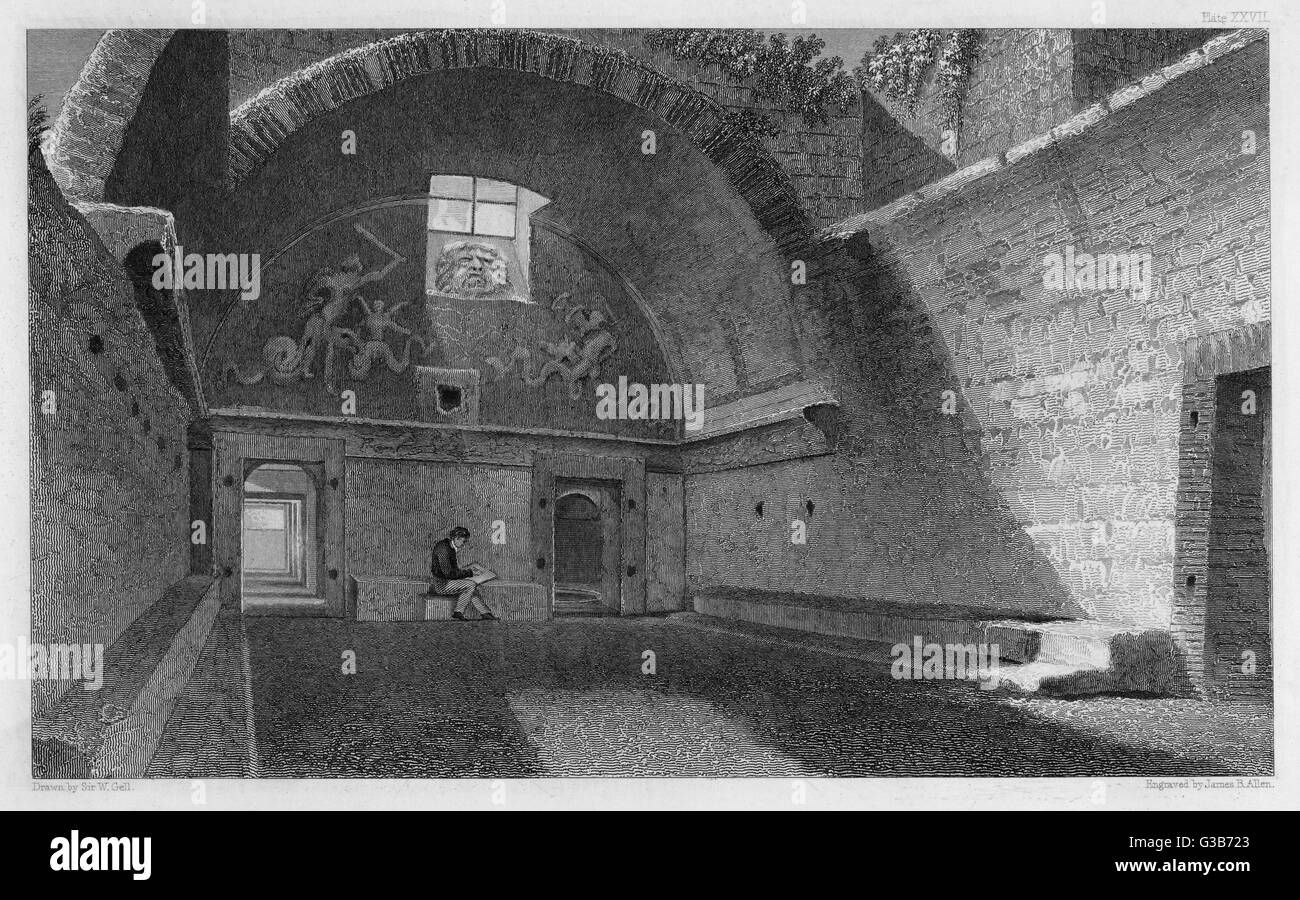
point(450, 398)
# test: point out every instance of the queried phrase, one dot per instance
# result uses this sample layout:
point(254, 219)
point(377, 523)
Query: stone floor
point(570, 697)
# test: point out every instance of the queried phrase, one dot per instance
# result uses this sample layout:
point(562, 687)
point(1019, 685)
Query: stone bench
point(385, 598)
point(875, 620)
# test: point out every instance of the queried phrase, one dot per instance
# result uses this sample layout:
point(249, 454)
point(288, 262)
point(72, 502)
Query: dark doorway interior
point(585, 534)
point(1238, 606)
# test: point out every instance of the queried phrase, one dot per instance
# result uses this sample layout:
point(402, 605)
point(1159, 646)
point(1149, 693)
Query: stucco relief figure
point(575, 357)
point(377, 323)
point(470, 269)
point(327, 294)
point(576, 361)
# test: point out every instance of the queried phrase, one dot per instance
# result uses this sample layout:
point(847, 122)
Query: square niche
point(448, 396)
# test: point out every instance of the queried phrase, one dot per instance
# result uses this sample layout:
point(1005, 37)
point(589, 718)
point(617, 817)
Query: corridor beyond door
point(280, 539)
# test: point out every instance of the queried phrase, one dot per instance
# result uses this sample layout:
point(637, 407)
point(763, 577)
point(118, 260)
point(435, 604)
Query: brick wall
point(894, 160)
point(110, 485)
point(260, 57)
point(1068, 412)
point(1222, 607)
point(1024, 81)
point(891, 520)
point(1237, 616)
point(1020, 86)
point(1105, 59)
point(824, 161)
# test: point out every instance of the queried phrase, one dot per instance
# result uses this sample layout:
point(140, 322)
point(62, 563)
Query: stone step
point(1085, 644)
point(1030, 677)
point(1017, 641)
point(1061, 657)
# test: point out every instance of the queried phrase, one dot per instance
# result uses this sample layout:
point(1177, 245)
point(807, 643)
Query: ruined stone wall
point(894, 160)
point(1024, 81)
point(1020, 86)
point(903, 511)
point(823, 161)
point(110, 485)
point(1222, 615)
point(1105, 59)
point(1052, 484)
point(1076, 393)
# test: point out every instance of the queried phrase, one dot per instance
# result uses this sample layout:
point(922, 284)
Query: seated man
point(449, 580)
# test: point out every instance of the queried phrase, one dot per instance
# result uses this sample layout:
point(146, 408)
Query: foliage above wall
point(784, 71)
point(898, 68)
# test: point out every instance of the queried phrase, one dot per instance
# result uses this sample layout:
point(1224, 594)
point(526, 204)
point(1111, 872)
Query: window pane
point(494, 191)
point(454, 187)
point(449, 215)
point(494, 219)
point(264, 518)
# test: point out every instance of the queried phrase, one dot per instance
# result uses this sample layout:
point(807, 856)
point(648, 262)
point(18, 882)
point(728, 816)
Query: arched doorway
point(281, 538)
point(582, 545)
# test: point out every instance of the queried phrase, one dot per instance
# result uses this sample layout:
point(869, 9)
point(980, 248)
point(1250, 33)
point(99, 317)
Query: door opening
point(586, 549)
point(280, 538)
point(1238, 612)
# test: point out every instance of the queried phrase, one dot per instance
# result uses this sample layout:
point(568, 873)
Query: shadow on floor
point(570, 698)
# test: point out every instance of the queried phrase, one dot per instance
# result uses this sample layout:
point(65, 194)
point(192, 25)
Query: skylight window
point(479, 237)
point(467, 204)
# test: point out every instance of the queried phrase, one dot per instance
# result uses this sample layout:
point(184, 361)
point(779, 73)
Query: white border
point(16, 785)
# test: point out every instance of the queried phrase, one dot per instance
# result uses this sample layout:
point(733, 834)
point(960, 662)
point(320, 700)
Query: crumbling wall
point(1005, 443)
point(1023, 82)
point(1076, 391)
point(109, 466)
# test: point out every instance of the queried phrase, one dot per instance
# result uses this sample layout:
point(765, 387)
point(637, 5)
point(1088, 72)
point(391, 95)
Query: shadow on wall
point(162, 317)
point(911, 402)
point(895, 161)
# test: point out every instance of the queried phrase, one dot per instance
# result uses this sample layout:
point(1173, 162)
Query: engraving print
point(503, 403)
